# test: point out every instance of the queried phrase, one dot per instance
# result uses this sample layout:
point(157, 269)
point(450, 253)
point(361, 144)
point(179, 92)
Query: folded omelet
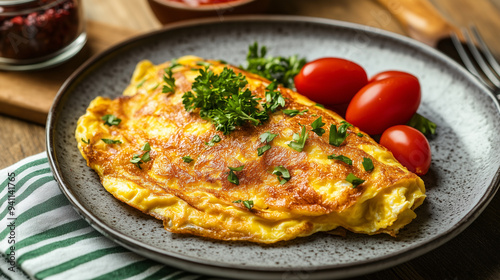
point(154, 155)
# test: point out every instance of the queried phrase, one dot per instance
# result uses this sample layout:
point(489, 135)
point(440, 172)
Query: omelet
point(173, 164)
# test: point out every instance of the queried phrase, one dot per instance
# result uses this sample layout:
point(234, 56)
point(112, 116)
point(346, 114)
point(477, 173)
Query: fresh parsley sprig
point(223, 100)
point(278, 68)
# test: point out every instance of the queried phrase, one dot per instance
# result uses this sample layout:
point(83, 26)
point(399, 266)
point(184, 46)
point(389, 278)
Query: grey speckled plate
point(463, 177)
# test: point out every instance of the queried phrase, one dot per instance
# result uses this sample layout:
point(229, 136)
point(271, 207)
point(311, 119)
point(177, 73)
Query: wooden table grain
point(473, 254)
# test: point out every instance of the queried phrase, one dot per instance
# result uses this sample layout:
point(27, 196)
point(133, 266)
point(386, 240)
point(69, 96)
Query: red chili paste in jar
point(36, 29)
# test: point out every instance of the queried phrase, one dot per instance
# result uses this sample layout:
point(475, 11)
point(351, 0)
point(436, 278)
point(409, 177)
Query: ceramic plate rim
point(172, 258)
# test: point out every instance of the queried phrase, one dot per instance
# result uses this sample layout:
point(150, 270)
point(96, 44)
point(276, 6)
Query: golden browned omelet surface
point(197, 197)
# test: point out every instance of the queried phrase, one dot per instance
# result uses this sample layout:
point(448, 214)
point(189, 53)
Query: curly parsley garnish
point(355, 181)
point(282, 173)
point(111, 120)
point(299, 140)
point(111, 141)
point(281, 69)
point(223, 100)
point(337, 137)
point(341, 158)
point(274, 99)
point(247, 203)
point(232, 176)
point(139, 159)
point(317, 126)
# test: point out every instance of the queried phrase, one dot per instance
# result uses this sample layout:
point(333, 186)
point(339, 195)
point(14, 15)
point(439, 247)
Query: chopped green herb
point(203, 63)
point(223, 100)
point(282, 173)
point(299, 140)
point(422, 124)
point(141, 83)
point(319, 105)
point(174, 64)
point(281, 69)
point(111, 120)
point(317, 126)
point(355, 181)
point(111, 141)
point(215, 139)
point(146, 147)
point(169, 80)
point(187, 159)
point(341, 158)
point(232, 177)
point(336, 138)
point(155, 87)
point(294, 112)
point(145, 157)
point(86, 142)
point(359, 134)
point(263, 149)
point(247, 203)
point(136, 159)
point(139, 159)
point(368, 164)
point(267, 137)
point(274, 99)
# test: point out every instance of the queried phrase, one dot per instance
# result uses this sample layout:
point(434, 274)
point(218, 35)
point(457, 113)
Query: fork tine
point(466, 59)
point(486, 51)
point(480, 60)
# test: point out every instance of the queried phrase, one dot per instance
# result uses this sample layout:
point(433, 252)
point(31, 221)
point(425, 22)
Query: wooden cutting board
point(29, 95)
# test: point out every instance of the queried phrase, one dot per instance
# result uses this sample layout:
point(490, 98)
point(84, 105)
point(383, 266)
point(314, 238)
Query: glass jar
point(37, 34)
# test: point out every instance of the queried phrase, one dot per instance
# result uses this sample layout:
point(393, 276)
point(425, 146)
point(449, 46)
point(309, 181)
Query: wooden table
point(474, 254)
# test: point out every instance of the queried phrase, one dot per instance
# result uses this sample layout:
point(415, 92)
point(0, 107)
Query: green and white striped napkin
point(42, 237)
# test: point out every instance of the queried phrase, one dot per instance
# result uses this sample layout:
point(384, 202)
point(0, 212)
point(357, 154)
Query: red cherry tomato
point(330, 80)
point(409, 146)
point(384, 103)
point(388, 74)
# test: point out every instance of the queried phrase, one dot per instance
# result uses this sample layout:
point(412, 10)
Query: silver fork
point(485, 68)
